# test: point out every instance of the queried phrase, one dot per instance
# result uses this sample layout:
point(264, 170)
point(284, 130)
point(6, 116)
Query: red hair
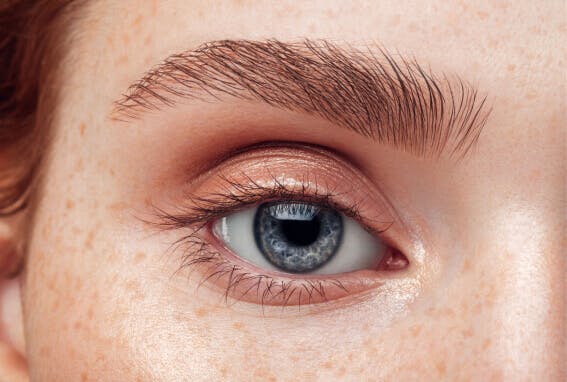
point(28, 50)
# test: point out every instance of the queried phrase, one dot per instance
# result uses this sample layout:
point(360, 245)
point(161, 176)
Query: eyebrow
point(382, 96)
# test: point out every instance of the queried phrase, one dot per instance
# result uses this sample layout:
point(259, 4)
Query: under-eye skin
point(286, 226)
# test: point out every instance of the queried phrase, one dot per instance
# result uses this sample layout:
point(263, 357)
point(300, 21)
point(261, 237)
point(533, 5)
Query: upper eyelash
point(199, 211)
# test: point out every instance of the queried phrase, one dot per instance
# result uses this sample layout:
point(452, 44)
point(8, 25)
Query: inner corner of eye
point(394, 260)
point(302, 238)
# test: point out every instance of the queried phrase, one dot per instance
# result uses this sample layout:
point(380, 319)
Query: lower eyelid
point(238, 281)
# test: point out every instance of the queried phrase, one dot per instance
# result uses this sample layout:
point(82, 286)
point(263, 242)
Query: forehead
point(484, 42)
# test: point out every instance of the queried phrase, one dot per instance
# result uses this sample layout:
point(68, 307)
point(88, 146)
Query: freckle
point(350, 357)
point(69, 205)
point(395, 20)
point(77, 325)
point(467, 265)
point(501, 4)
point(71, 352)
point(125, 39)
point(123, 59)
point(441, 367)
point(82, 128)
point(531, 96)
point(79, 165)
point(139, 257)
point(112, 172)
point(327, 365)
point(477, 308)
point(51, 284)
point(117, 206)
point(84, 376)
point(112, 257)
point(372, 352)
point(467, 333)
point(482, 15)
point(133, 287)
point(201, 312)
point(89, 240)
point(90, 313)
point(46, 231)
point(415, 330)
point(45, 351)
point(330, 13)
point(486, 343)
point(263, 375)
point(238, 325)
point(137, 20)
point(341, 372)
point(148, 40)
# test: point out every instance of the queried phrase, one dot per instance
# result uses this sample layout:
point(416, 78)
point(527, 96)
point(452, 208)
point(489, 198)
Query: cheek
point(70, 311)
point(100, 303)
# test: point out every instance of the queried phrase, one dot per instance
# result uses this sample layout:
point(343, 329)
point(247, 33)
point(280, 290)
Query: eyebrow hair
point(381, 96)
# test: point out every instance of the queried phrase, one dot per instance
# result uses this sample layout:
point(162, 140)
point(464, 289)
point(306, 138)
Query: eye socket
point(241, 218)
point(299, 237)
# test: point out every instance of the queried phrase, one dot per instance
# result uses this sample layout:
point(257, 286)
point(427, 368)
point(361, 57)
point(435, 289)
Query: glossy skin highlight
point(484, 297)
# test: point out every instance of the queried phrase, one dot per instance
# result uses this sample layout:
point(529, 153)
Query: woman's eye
point(298, 237)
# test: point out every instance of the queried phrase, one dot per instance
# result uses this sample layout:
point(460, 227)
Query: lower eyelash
point(242, 285)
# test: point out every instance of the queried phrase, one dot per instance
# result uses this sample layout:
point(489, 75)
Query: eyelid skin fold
point(301, 173)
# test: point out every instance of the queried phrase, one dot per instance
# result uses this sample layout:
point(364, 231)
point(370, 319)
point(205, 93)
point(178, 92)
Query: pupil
point(301, 232)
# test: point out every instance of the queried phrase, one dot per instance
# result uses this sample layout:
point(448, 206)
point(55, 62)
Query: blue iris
point(297, 237)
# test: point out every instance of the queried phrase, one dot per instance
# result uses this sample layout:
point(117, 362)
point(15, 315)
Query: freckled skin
point(101, 299)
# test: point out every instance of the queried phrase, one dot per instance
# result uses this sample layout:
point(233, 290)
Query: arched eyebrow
point(383, 97)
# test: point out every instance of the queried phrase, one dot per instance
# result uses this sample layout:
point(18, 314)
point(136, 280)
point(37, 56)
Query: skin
point(484, 298)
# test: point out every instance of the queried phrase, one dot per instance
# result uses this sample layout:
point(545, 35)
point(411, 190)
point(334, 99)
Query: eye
point(298, 237)
point(288, 226)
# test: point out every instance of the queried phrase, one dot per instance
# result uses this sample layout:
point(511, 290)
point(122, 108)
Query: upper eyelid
point(197, 209)
point(204, 209)
point(391, 100)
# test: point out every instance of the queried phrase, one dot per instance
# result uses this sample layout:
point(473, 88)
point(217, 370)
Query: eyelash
point(239, 196)
point(201, 212)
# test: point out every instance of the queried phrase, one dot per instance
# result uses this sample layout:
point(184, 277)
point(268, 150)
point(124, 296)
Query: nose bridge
point(528, 315)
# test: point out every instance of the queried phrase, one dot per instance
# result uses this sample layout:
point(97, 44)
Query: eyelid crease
point(387, 98)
